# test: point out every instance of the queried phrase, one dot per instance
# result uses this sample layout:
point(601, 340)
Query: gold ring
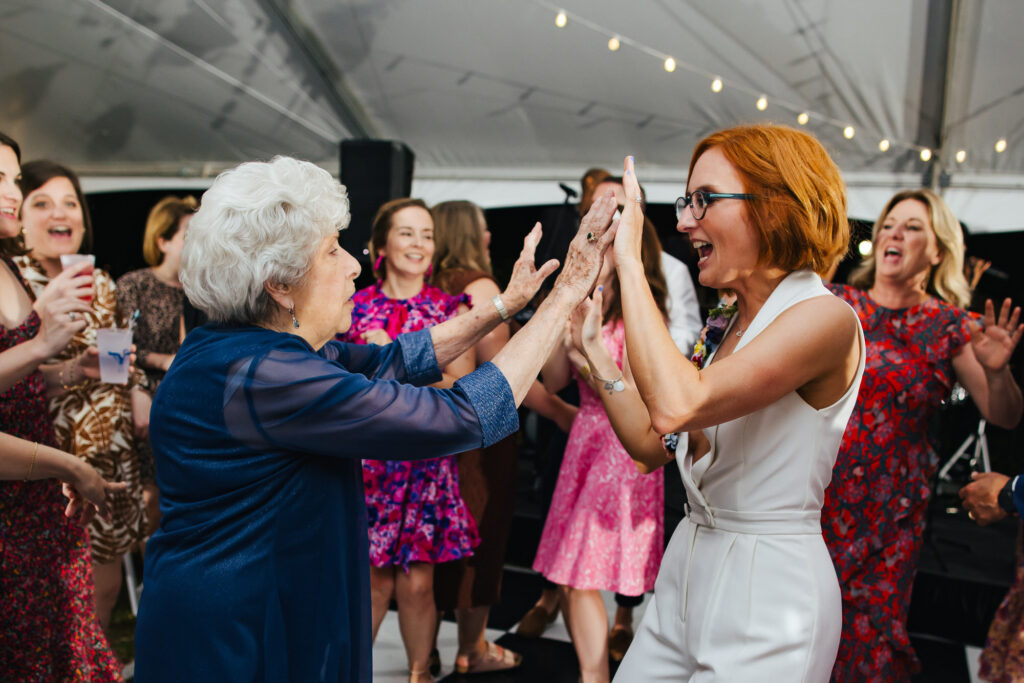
point(585, 371)
point(591, 237)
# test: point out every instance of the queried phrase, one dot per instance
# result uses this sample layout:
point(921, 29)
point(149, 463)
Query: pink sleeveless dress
point(605, 529)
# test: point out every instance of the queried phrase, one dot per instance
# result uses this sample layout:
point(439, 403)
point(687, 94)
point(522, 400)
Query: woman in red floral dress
point(48, 629)
point(909, 296)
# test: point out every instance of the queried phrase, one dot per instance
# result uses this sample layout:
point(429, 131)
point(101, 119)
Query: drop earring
point(295, 321)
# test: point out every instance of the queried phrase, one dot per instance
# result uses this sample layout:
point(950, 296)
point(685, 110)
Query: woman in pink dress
point(416, 515)
point(605, 528)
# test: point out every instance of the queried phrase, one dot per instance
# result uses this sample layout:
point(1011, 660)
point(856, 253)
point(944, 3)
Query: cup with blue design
point(115, 347)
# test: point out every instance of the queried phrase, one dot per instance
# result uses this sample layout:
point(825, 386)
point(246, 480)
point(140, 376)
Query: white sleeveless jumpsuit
point(747, 590)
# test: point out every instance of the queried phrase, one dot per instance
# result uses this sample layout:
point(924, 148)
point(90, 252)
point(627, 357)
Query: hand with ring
point(981, 497)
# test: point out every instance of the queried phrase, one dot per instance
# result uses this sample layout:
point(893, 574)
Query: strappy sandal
point(536, 621)
point(496, 658)
point(619, 641)
point(414, 676)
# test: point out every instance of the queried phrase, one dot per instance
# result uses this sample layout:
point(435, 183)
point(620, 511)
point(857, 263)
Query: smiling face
point(906, 248)
point(10, 194)
point(727, 243)
point(53, 220)
point(410, 244)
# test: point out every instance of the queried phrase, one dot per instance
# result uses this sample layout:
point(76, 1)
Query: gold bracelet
point(70, 384)
point(32, 464)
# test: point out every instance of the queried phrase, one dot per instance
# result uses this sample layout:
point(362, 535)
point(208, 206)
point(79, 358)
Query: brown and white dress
point(93, 420)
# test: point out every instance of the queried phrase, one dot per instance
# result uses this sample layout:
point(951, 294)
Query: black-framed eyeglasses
point(699, 201)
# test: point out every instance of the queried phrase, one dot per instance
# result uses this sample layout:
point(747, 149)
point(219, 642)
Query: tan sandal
point(619, 641)
point(496, 658)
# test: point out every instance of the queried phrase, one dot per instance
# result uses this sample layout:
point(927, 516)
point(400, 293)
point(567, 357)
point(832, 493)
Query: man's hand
point(981, 497)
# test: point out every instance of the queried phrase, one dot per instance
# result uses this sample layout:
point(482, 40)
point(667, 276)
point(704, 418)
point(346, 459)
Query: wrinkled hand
point(994, 345)
point(87, 496)
point(141, 402)
point(378, 337)
point(981, 497)
point(526, 277)
point(630, 232)
point(583, 262)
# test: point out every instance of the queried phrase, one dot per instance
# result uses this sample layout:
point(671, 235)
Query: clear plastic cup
point(115, 346)
point(68, 260)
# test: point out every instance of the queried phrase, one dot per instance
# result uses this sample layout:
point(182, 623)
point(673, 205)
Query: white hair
point(259, 222)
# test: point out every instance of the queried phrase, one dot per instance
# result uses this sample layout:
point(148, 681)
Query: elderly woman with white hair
point(260, 570)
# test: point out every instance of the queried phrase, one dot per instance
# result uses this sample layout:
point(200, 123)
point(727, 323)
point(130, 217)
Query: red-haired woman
point(746, 590)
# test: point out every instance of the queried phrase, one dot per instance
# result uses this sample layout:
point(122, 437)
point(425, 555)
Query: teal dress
point(260, 568)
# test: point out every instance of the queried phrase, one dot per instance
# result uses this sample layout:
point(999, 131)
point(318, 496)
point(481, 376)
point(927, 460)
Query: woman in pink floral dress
point(605, 527)
point(416, 515)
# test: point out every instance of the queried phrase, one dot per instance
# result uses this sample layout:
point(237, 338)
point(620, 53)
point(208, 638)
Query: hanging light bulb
point(1001, 145)
point(961, 155)
point(883, 145)
point(803, 118)
point(670, 65)
point(849, 132)
point(613, 43)
point(762, 103)
point(865, 247)
point(561, 19)
point(716, 85)
point(926, 154)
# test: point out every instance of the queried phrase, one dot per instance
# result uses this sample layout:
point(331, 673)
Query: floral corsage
point(710, 337)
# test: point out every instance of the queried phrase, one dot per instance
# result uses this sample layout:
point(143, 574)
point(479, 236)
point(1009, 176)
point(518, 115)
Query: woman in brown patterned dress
point(471, 585)
point(156, 292)
point(93, 420)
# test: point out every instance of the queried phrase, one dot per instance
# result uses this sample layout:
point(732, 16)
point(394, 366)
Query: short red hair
point(800, 212)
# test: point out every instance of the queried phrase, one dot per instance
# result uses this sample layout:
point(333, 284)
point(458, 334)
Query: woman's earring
point(430, 271)
point(295, 321)
point(376, 264)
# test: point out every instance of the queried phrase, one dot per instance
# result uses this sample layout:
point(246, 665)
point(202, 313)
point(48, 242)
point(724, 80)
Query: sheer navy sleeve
point(351, 401)
point(410, 358)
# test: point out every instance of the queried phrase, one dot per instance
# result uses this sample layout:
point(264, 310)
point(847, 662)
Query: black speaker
point(374, 171)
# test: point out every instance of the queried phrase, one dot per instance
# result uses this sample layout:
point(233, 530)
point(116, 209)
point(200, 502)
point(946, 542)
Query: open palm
point(994, 344)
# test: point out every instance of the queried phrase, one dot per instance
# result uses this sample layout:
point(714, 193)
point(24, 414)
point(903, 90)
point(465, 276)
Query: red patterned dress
point(48, 629)
point(874, 514)
point(414, 509)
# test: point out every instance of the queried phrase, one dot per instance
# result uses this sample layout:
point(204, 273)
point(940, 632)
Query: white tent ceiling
point(499, 104)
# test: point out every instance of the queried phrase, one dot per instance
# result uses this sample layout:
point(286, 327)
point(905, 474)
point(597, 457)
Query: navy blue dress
point(260, 568)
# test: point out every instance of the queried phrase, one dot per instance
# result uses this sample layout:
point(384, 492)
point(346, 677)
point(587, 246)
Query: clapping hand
point(583, 262)
point(994, 344)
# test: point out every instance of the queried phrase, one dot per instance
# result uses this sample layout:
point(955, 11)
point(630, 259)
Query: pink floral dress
point(414, 509)
point(605, 529)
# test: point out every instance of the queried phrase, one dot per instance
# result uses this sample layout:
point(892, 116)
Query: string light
point(615, 43)
point(865, 247)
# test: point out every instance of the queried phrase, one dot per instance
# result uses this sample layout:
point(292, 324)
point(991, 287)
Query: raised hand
point(630, 232)
point(585, 323)
point(583, 262)
point(994, 344)
point(526, 276)
point(61, 309)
